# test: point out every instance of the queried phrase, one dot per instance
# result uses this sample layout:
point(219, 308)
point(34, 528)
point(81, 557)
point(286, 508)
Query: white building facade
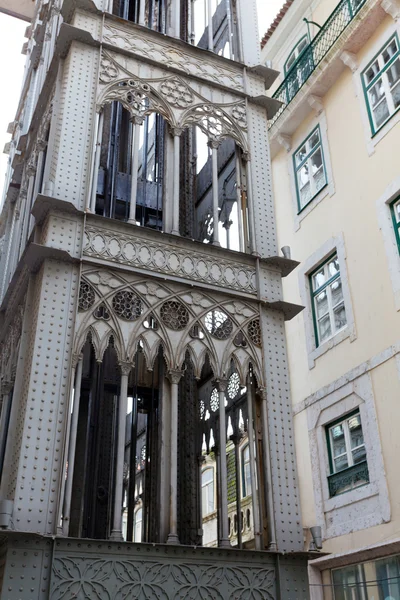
point(336, 188)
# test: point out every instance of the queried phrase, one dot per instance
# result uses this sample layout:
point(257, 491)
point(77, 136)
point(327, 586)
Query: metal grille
point(86, 296)
point(174, 315)
point(313, 54)
point(219, 324)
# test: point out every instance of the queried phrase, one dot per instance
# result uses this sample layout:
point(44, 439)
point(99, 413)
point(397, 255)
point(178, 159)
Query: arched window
point(207, 491)
point(298, 67)
point(295, 53)
point(137, 533)
point(246, 475)
point(120, 193)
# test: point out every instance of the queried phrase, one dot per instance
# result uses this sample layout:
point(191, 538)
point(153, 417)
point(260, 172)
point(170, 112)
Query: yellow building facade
point(335, 146)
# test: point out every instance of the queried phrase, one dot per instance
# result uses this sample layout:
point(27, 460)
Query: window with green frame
point(395, 210)
point(299, 48)
point(309, 169)
point(381, 82)
point(329, 312)
point(347, 454)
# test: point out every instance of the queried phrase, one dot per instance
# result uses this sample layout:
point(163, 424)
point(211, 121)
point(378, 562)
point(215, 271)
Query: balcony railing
point(313, 54)
point(348, 479)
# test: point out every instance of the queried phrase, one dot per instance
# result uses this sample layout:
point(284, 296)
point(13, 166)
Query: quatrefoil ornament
point(177, 93)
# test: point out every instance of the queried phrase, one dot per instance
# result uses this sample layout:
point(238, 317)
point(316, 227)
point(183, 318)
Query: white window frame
point(332, 245)
point(328, 189)
point(326, 287)
point(308, 161)
point(358, 69)
point(347, 440)
point(382, 76)
point(207, 485)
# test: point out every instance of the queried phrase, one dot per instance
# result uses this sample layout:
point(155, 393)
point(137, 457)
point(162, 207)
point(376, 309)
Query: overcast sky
point(12, 67)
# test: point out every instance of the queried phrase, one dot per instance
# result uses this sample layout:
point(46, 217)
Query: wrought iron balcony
point(313, 54)
point(348, 479)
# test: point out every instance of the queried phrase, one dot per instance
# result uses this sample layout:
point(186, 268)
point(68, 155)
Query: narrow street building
point(336, 180)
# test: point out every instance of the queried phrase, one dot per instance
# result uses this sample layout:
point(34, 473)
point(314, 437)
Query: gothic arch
point(215, 123)
point(137, 97)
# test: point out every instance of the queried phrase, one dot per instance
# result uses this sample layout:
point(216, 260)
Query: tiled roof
point(276, 22)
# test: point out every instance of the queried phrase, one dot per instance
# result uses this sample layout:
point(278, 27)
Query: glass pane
point(376, 93)
point(301, 46)
point(396, 95)
point(324, 328)
point(359, 454)
point(321, 304)
point(338, 440)
point(346, 582)
point(301, 154)
point(340, 463)
point(303, 176)
point(319, 179)
point(316, 161)
point(314, 139)
point(372, 72)
point(318, 279)
point(305, 195)
point(393, 72)
point(381, 113)
point(337, 292)
point(333, 267)
point(247, 480)
point(340, 316)
point(388, 575)
point(290, 62)
point(207, 476)
point(389, 52)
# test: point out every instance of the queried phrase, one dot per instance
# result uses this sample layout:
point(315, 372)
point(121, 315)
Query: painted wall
point(362, 169)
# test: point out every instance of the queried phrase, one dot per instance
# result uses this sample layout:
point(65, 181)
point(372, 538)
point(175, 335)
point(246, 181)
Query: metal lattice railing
point(312, 55)
point(348, 479)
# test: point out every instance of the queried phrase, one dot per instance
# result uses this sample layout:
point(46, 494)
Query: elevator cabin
point(145, 504)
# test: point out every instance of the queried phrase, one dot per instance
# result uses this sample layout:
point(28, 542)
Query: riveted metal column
point(252, 236)
point(174, 377)
point(176, 132)
point(214, 145)
point(267, 469)
point(253, 476)
point(221, 385)
point(116, 532)
point(75, 397)
point(98, 135)
point(136, 123)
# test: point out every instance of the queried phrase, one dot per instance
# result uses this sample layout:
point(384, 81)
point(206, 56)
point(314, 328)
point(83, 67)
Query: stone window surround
point(358, 69)
point(389, 236)
point(329, 188)
point(357, 394)
point(309, 265)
